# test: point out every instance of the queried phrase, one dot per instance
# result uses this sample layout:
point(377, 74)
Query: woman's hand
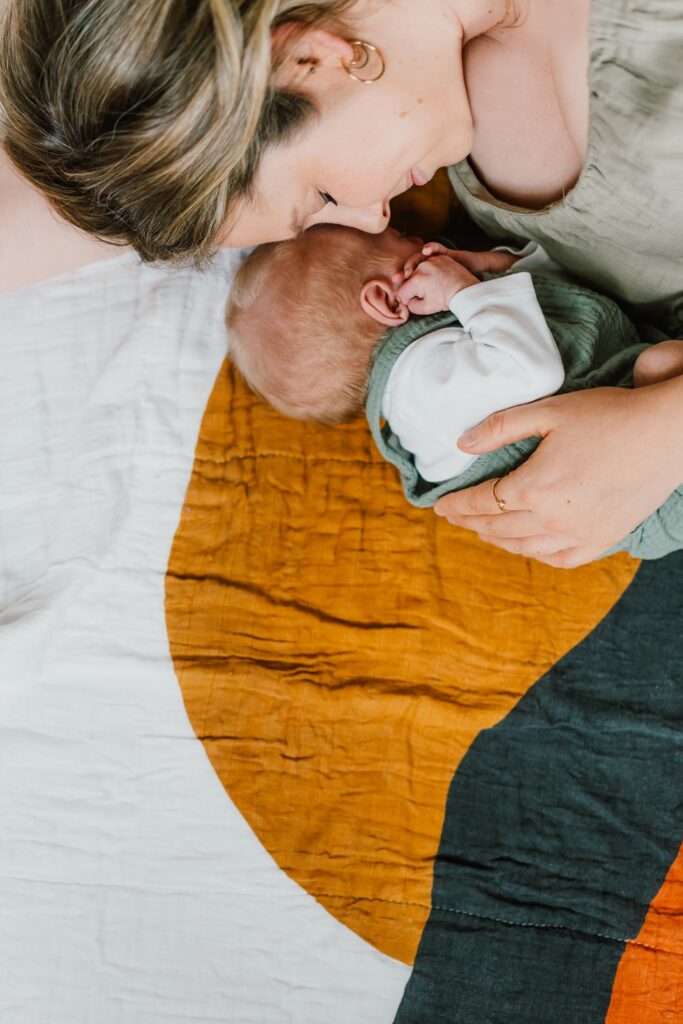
point(608, 459)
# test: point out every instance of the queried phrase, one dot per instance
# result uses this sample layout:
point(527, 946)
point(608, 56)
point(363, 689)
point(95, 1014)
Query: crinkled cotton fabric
point(131, 887)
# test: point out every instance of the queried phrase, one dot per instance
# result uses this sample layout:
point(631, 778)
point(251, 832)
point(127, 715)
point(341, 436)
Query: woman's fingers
point(558, 553)
point(518, 525)
point(541, 546)
point(509, 425)
point(481, 501)
point(554, 549)
point(475, 501)
point(572, 558)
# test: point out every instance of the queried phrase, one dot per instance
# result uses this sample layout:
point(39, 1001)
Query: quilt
point(277, 748)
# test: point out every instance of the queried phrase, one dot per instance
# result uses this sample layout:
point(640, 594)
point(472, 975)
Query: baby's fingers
point(410, 291)
point(487, 262)
point(412, 264)
point(435, 249)
point(409, 268)
point(419, 305)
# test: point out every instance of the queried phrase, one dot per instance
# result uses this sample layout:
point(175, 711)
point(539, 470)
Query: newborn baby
point(324, 323)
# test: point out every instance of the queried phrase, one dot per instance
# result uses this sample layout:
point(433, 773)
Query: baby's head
point(304, 316)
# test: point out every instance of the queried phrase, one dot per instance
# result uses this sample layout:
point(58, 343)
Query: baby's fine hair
point(297, 331)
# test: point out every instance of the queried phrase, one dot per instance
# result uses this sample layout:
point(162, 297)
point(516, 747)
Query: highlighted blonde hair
point(144, 121)
point(297, 331)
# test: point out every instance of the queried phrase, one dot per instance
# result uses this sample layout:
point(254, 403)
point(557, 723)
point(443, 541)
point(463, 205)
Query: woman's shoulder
point(37, 244)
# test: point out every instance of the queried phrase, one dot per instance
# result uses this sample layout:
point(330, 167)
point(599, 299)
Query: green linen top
point(620, 229)
point(598, 346)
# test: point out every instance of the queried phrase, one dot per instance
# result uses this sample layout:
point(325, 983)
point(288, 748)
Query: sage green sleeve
point(659, 534)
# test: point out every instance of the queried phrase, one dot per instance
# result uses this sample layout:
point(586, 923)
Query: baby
point(335, 319)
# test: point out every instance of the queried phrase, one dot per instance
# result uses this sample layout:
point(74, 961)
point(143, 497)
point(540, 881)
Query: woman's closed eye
point(327, 198)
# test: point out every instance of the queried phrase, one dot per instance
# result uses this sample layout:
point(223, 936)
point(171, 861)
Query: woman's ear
point(379, 300)
point(299, 52)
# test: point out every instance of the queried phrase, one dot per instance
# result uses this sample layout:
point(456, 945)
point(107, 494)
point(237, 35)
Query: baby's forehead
point(328, 238)
point(320, 253)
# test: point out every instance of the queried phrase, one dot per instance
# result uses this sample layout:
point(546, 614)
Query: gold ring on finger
point(500, 502)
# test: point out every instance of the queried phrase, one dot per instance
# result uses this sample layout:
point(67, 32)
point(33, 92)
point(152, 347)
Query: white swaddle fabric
point(451, 379)
point(131, 889)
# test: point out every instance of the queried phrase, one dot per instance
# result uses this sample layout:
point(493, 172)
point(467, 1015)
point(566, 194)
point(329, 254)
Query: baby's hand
point(477, 262)
point(434, 282)
point(410, 267)
point(487, 262)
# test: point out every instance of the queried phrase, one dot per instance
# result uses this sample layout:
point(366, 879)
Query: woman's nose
point(372, 219)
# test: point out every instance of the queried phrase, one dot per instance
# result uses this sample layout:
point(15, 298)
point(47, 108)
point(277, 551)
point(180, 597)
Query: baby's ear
point(379, 300)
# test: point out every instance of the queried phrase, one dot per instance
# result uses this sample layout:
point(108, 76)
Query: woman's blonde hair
point(143, 121)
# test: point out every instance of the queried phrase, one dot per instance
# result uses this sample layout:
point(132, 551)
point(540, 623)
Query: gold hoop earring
point(363, 53)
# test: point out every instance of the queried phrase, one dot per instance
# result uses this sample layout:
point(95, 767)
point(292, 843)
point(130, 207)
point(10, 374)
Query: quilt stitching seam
point(511, 924)
point(558, 927)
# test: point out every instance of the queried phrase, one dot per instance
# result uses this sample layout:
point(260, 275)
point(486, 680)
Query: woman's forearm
point(663, 403)
point(662, 531)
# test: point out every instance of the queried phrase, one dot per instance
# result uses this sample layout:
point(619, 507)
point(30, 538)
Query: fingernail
point(467, 441)
point(440, 511)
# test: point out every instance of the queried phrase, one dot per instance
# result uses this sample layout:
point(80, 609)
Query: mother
point(170, 126)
